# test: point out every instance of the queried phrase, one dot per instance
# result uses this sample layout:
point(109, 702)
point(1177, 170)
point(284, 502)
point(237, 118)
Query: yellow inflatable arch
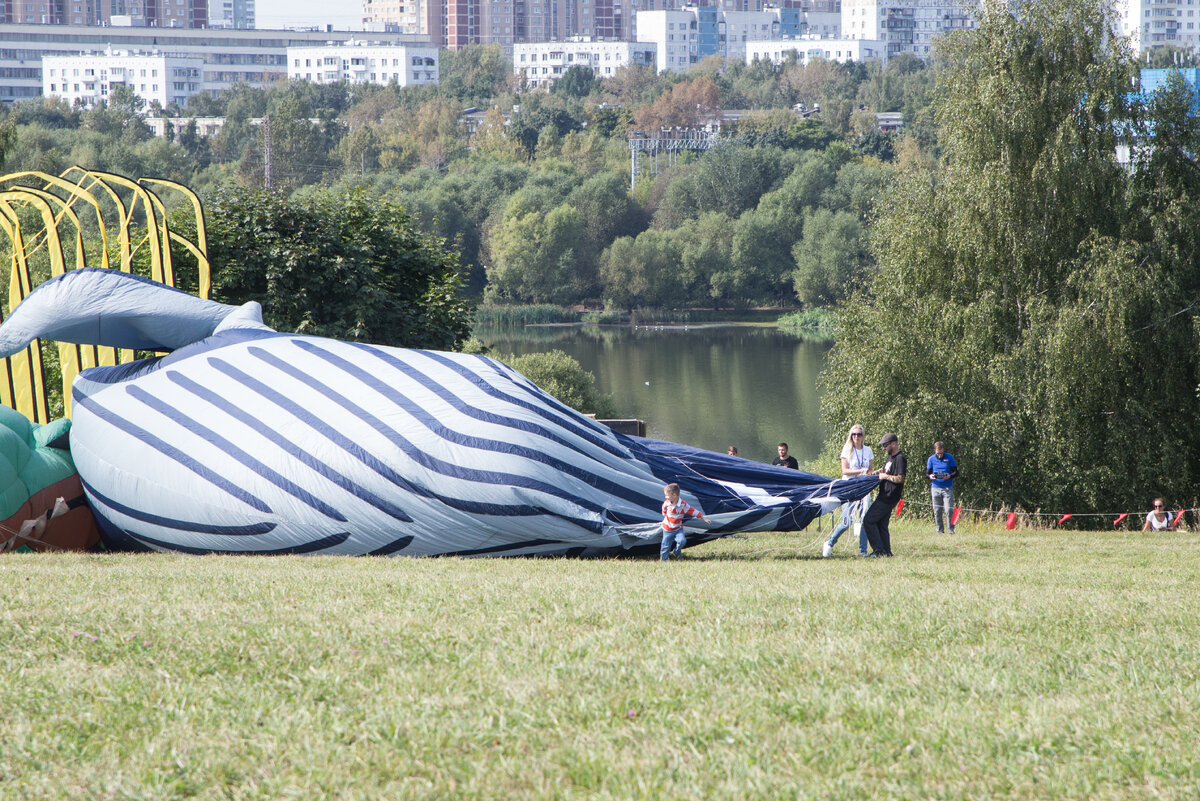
point(59, 222)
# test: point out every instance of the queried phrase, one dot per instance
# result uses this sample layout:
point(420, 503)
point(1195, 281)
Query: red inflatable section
point(74, 531)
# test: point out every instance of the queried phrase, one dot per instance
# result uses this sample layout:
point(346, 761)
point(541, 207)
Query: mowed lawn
point(1026, 664)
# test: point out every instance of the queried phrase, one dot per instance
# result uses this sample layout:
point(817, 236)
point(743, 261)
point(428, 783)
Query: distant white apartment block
point(904, 26)
point(543, 63)
point(740, 27)
point(357, 62)
point(231, 14)
point(804, 50)
point(89, 79)
point(1153, 24)
point(676, 36)
point(687, 35)
point(404, 16)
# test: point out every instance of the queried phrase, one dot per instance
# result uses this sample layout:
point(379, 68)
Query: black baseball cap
point(888, 438)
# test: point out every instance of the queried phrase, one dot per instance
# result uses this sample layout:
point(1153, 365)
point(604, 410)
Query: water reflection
point(708, 386)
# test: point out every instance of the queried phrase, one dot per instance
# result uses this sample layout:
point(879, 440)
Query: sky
point(344, 15)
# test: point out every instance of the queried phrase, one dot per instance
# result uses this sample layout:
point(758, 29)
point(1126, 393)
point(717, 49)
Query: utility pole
point(267, 152)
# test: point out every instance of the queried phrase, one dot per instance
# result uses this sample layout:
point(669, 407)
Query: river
point(710, 386)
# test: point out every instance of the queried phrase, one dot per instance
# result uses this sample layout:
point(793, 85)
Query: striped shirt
point(673, 514)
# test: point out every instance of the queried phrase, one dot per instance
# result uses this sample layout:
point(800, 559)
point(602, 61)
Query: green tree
point(8, 138)
point(563, 377)
point(344, 265)
point(831, 259)
point(534, 257)
point(1025, 311)
point(642, 271)
point(473, 74)
point(577, 81)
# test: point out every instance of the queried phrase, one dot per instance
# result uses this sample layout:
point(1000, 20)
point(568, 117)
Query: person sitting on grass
point(674, 510)
point(1159, 519)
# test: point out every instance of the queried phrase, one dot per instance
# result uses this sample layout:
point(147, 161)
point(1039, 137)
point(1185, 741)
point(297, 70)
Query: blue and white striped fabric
point(253, 441)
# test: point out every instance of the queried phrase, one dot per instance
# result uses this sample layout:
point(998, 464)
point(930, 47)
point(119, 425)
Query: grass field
point(993, 665)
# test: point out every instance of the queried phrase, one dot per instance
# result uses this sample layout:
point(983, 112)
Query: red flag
point(1124, 515)
point(1064, 519)
point(1011, 523)
point(1178, 517)
point(954, 515)
point(899, 506)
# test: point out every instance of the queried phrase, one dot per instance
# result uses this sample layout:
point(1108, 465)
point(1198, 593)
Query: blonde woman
point(857, 460)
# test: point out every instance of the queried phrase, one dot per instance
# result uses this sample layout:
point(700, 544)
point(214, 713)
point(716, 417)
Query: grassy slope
point(999, 664)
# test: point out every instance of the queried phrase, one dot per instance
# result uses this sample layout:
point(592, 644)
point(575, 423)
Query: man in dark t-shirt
point(783, 460)
point(891, 486)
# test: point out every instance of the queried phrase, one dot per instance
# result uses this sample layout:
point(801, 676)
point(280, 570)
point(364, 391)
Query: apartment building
point(690, 34)
point(905, 26)
point(229, 56)
point(542, 63)
point(231, 14)
point(1152, 24)
point(804, 50)
point(89, 79)
point(360, 62)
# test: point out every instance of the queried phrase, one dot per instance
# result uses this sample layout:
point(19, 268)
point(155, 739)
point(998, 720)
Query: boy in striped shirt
point(674, 510)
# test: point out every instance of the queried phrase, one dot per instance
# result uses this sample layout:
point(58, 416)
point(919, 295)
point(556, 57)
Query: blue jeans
point(848, 510)
point(943, 507)
point(676, 538)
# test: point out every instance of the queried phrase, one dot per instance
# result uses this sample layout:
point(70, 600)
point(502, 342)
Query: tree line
point(537, 198)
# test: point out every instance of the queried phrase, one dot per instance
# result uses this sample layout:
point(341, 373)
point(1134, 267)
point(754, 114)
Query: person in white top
point(1159, 519)
point(857, 460)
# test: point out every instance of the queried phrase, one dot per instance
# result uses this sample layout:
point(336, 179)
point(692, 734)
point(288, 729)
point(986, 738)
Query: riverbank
point(546, 314)
point(993, 664)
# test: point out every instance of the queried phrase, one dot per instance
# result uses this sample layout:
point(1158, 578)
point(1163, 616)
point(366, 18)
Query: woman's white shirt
point(857, 458)
point(1156, 524)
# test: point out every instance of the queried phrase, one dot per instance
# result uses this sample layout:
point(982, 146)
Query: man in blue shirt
point(942, 469)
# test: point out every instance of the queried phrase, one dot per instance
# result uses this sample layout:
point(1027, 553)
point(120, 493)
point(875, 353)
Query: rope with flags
point(1011, 518)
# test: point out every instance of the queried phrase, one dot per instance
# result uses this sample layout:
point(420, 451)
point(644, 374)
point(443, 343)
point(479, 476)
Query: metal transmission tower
point(644, 150)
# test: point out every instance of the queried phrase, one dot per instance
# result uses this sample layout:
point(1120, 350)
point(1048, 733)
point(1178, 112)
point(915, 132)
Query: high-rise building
point(400, 16)
point(1153, 24)
point(231, 14)
point(456, 23)
point(152, 13)
point(50, 12)
point(688, 35)
point(904, 26)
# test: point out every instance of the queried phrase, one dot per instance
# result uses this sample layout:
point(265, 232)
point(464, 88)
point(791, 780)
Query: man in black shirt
point(783, 460)
point(891, 485)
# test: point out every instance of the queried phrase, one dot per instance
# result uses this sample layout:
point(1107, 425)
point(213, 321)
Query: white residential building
point(1152, 24)
point(676, 37)
point(359, 62)
point(822, 24)
point(687, 35)
point(740, 27)
point(230, 56)
point(89, 79)
point(542, 63)
point(806, 49)
point(231, 14)
point(905, 26)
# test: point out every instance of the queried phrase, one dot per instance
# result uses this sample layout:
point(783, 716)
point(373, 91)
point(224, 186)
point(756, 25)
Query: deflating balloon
point(246, 440)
